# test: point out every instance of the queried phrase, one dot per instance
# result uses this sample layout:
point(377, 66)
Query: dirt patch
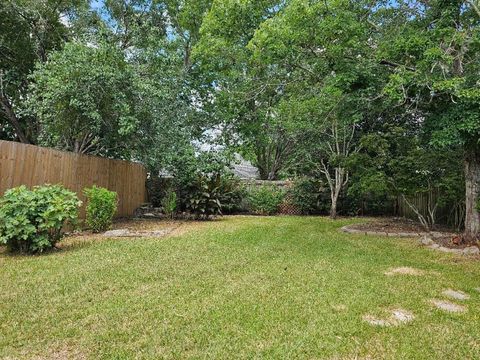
point(455, 294)
point(405, 270)
point(450, 241)
point(448, 306)
point(396, 317)
point(124, 228)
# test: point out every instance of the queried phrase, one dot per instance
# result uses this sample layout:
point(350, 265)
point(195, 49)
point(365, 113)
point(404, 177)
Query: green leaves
point(169, 203)
point(32, 220)
point(265, 200)
point(101, 207)
point(203, 196)
point(85, 98)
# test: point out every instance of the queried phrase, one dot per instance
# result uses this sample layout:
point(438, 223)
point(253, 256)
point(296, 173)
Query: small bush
point(157, 188)
point(305, 195)
point(101, 207)
point(265, 200)
point(203, 196)
point(232, 193)
point(169, 203)
point(32, 220)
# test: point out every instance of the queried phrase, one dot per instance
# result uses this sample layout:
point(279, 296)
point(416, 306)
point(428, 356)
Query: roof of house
point(245, 170)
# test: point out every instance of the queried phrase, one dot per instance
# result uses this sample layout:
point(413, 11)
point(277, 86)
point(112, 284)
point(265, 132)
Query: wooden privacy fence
point(452, 214)
point(31, 165)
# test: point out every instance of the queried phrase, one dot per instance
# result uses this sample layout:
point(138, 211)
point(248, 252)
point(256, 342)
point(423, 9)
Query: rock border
point(350, 230)
point(425, 239)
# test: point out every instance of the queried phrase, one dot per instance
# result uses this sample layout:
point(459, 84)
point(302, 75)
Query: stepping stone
point(402, 316)
point(477, 289)
point(117, 232)
point(448, 306)
point(405, 271)
point(397, 317)
point(457, 295)
point(339, 307)
point(128, 233)
point(376, 322)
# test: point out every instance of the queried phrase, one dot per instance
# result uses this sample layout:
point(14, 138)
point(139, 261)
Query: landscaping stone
point(397, 317)
point(449, 250)
point(339, 307)
point(116, 233)
point(405, 271)
point(471, 250)
point(128, 233)
point(426, 240)
point(376, 322)
point(149, 215)
point(402, 316)
point(457, 295)
point(350, 230)
point(404, 234)
point(448, 306)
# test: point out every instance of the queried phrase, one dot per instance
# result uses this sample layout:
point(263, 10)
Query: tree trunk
point(472, 190)
point(333, 208)
point(13, 120)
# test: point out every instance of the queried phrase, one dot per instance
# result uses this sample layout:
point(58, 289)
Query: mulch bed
point(443, 236)
point(395, 224)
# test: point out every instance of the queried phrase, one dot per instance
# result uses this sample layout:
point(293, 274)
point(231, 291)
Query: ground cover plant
point(241, 287)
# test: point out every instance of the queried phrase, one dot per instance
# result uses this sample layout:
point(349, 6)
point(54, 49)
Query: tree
point(328, 78)
point(435, 60)
point(394, 161)
point(238, 93)
point(85, 100)
point(29, 30)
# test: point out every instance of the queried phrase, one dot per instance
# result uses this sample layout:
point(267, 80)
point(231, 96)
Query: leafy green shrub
point(157, 188)
point(203, 196)
point(232, 193)
point(169, 203)
point(32, 220)
point(305, 194)
point(101, 207)
point(265, 200)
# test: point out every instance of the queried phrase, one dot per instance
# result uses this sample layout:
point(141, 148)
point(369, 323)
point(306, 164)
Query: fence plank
point(30, 165)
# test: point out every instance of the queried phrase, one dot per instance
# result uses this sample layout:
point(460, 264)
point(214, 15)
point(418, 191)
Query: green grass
point(241, 287)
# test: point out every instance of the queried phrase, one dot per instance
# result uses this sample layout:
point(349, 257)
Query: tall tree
point(29, 30)
point(435, 60)
point(242, 94)
point(321, 53)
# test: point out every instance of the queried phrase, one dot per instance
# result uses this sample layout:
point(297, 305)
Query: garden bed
point(397, 225)
point(441, 237)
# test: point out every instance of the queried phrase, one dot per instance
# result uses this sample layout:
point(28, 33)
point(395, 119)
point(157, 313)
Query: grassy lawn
point(240, 287)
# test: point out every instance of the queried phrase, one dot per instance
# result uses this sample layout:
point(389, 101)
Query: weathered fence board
point(31, 165)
